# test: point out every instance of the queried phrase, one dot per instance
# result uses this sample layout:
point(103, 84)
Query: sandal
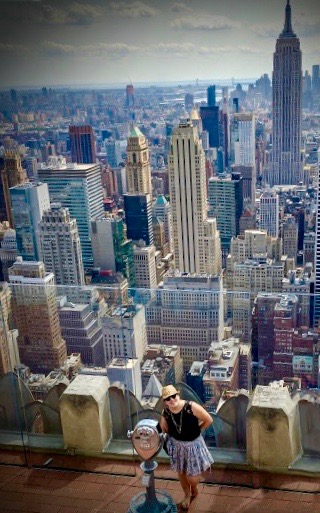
point(185, 503)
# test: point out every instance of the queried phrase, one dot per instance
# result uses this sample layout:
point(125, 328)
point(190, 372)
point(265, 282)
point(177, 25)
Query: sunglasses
point(173, 396)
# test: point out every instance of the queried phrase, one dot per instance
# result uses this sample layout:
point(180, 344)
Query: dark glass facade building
point(210, 123)
point(138, 212)
point(82, 142)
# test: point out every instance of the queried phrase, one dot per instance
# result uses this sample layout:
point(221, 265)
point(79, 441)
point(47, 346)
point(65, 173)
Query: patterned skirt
point(191, 458)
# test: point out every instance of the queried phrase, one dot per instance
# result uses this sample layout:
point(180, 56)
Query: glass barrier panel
point(88, 363)
point(14, 419)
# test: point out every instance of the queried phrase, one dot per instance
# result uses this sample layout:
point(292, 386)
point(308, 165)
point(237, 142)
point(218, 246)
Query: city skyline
point(93, 42)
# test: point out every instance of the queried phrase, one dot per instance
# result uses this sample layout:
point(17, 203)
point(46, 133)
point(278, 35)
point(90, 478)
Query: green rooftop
point(135, 132)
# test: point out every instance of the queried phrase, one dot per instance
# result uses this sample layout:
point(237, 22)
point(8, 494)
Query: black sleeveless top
point(186, 420)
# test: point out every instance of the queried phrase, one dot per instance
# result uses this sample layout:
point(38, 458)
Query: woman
point(189, 455)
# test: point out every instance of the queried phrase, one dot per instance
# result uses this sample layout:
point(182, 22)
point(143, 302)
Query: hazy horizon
point(96, 42)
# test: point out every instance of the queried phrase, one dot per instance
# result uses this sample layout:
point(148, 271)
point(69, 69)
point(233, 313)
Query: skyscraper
point(162, 210)
point(187, 311)
point(138, 164)
point(78, 188)
point(286, 166)
point(35, 315)
point(8, 252)
point(196, 240)
point(82, 141)
point(9, 354)
point(210, 123)
point(129, 96)
point(243, 139)
point(29, 201)
point(243, 153)
point(81, 331)
point(138, 209)
point(316, 264)
point(316, 79)
point(60, 246)
point(211, 96)
point(269, 212)
point(226, 204)
point(111, 248)
point(11, 175)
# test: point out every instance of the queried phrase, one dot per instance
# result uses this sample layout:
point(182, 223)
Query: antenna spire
point(287, 29)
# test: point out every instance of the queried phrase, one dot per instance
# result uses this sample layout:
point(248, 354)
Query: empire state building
point(286, 164)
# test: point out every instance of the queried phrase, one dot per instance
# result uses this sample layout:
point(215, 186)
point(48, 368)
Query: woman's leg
point(185, 503)
point(193, 482)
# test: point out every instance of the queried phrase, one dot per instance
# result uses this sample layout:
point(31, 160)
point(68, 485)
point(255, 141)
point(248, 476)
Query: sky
point(104, 42)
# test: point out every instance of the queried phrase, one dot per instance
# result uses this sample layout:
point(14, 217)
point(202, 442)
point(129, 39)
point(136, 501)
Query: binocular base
point(160, 503)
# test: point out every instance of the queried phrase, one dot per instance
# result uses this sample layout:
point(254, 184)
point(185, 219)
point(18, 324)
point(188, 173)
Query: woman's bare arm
point(205, 420)
point(164, 424)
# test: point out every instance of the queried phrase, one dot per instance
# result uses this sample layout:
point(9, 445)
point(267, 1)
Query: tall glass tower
point(286, 165)
point(78, 188)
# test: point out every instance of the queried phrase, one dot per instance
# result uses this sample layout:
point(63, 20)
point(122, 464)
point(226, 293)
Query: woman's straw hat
point(169, 390)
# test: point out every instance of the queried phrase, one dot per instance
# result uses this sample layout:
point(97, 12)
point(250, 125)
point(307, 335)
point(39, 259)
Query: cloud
point(11, 49)
point(80, 13)
point(266, 30)
point(133, 9)
point(75, 13)
point(305, 26)
point(113, 50)
point(185, 49)
point(203, 22)
point(180, 7)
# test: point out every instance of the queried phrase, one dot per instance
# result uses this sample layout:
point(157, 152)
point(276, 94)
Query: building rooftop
point(135, 132)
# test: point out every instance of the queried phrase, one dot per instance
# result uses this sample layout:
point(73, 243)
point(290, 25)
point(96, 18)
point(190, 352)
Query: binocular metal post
point(147, 442)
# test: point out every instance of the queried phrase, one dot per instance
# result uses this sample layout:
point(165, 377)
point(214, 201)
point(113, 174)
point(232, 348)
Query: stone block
point(273, 430)
point(85, 414)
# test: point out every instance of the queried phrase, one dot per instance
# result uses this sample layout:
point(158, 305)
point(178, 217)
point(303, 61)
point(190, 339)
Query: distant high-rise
point(242, 134)
point(243, 153)
point(114, 152)
point(8, 252)
point(269, 212)
point(286, 166)
point(224, 126)
point(188, 101)
point(187, 311)
point(210, 123)
point(290, 236)
point(78, 188)
point(138, 210)
point(124, 332)
point(129, 96)
point(211, 96)
point(196, 240)
point(12, 174)
point(9, 354)
point(162, 210)
point(35, 315)
point(81, 331)
point(226, 205)
point(111, 248)
point(315, 79)
point(60, 246)
point(317, 264)
point(82, 141)
point(29, 201)
point(138, 165)
point(145, 267)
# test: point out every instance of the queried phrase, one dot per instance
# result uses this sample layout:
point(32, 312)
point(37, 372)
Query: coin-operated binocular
point(147, 442)
point(146, 439)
